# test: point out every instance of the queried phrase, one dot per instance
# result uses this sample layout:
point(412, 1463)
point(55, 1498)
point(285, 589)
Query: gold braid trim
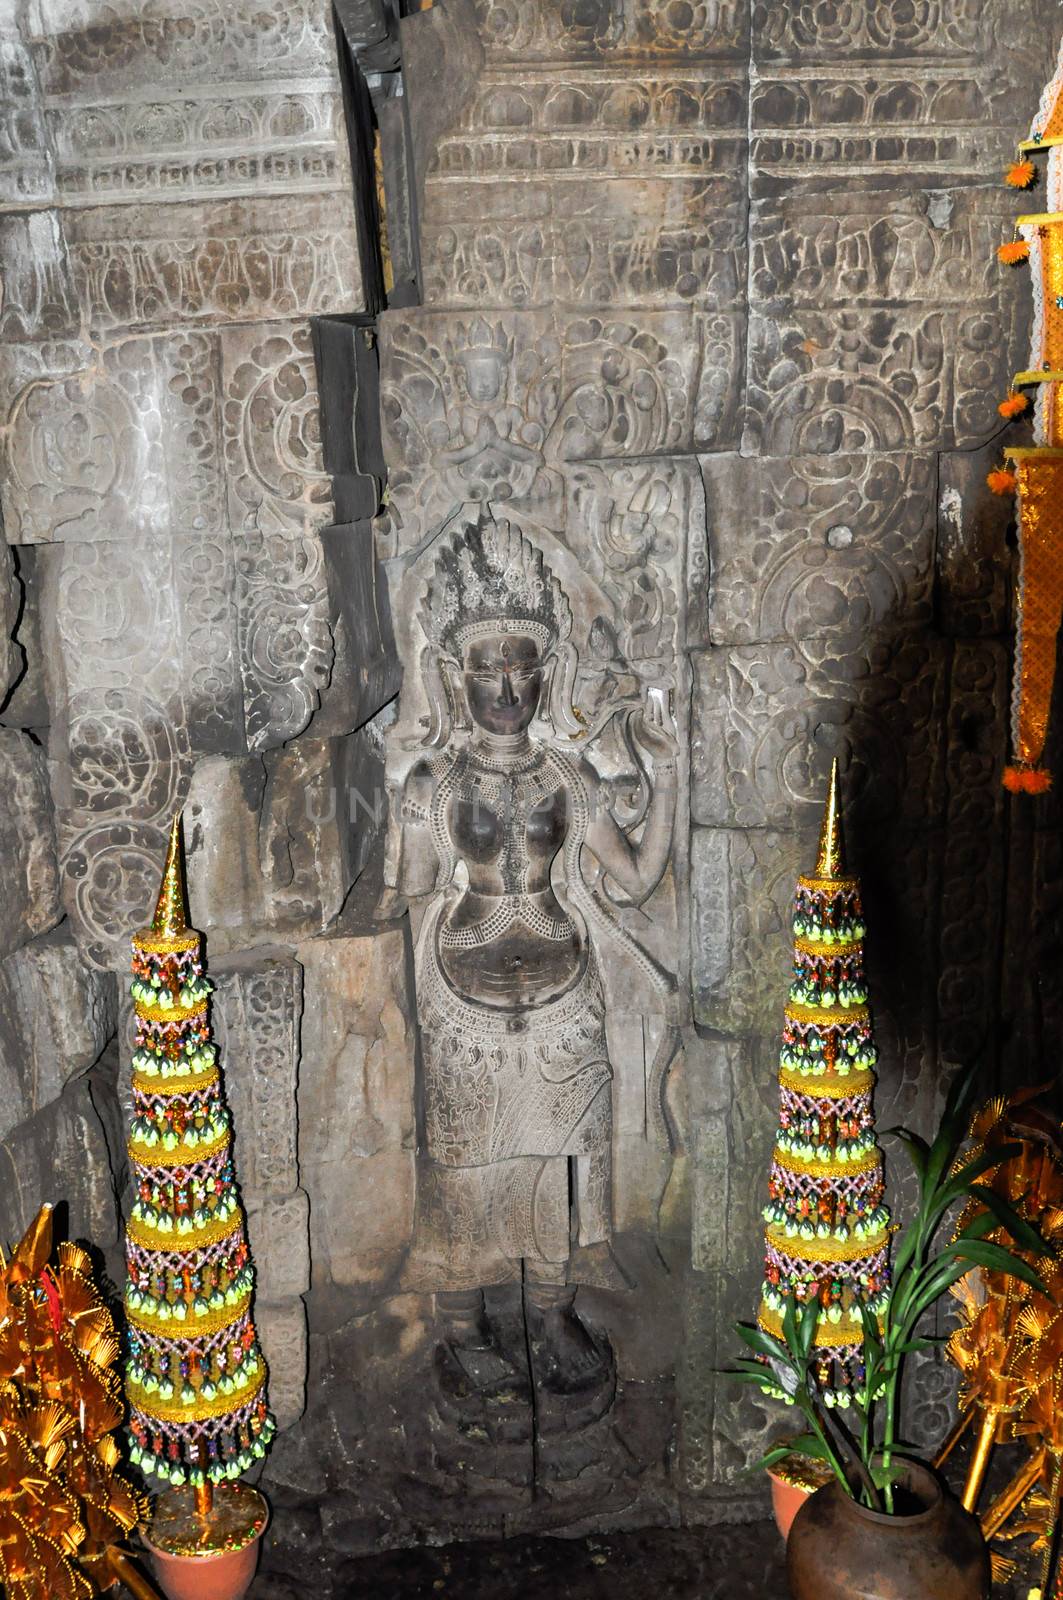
point(829, 1085)
point(192, 1327)
point(176, 1243)
point(164, 944)
point(827, 1250)
point(148, 1013)
point(185, 1155)
point(835, 1017)
point(832, 884)
point(845, 1332)
point(818, 947)
point(829, 1169)
point(163, 1088)
point(150, 1406)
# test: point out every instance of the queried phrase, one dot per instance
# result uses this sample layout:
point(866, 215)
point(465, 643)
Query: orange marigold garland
point(1001, 481)
point(1014, 251)
point(1013, 405)
point(1020, 174)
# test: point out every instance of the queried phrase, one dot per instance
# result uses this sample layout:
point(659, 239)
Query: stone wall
point(736, 263)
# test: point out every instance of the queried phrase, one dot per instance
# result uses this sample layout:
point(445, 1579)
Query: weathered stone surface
point(57, 1017)
point(806, 546)
point(29, 884)
point(61, 1154)
point(769, 718)
point(26, 705)
point(356, 1105)
point(12, 657)
point(277, 1228)
point(281, 1329)
point(256, 1022)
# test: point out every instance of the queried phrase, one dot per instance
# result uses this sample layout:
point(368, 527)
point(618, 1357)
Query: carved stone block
point(39, 295)
point(278, 1230)
point(57, 1016)
point(804, 546)
point(973, 556)
point(356, 1104)
point(768, 718)
point(876, 380)
point(60, 1153)
point(218, 260)
point(281, 1328)
point(256, 1014)
point(29, 880)
point(12, 657)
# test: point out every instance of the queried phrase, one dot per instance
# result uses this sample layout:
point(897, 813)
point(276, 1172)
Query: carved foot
point(479, 1381)
point(566, 1357)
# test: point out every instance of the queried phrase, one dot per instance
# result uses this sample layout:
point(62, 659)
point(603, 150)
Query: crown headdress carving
point(491, 579)
point(479, 339)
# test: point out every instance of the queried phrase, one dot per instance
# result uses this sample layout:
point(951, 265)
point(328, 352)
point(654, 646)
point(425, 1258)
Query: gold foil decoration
point(170, 921)
point(64, 1508)
point(1040, 601)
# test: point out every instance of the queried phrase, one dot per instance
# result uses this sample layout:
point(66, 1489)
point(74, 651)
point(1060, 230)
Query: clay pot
point(222, 1575)
point(786, 1501)
point(838, 1550)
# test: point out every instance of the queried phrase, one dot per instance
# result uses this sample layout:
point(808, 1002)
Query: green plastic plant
point(860, 1451)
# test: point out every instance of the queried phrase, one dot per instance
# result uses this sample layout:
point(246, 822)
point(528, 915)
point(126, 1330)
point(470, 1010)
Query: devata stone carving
point(490, 831)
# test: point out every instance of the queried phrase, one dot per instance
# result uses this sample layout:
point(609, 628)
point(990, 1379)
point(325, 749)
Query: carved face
point(483, 376)
point(503, 681)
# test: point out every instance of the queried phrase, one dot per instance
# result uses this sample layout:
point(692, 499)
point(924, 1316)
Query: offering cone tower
point(195, 1377)
point(827, 1234)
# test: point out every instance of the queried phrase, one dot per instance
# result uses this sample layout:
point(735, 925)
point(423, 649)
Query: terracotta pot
point(786, 1501)
point(224, 1574)
point(222, 1577)
point(838, 1550)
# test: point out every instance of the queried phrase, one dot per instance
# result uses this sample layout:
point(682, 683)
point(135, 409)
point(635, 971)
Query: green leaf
point(1022, 1232)
point(761, 1342)
point(993, 1256)
point(917, 1148)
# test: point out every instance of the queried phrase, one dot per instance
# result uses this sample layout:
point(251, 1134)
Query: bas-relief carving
point(806, 545)
point(563, 30)
point(488, 832)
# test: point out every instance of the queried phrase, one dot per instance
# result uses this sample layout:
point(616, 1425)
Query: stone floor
point(731, 1562)
point(742, 1562)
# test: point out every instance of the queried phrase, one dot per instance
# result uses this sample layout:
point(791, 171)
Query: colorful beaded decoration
point(827, 1233)
point(195, 1377)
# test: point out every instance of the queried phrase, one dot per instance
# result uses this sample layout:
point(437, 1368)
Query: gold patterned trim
point(192, 1327)
point(835, 1017)
point(185, 1155)
point(171, 1013)
point(177, 1243)
point(1019, 452)
point(829, 1169)
point(845, 1332)
point(1033, 145)
point(162, 944)
point(830, 1085)
point(150, 1405)
point(828, 883)
point(828, 1249)
point(1036, 375)
point(819, 947)
point(1032, 217)
point(164, 1088)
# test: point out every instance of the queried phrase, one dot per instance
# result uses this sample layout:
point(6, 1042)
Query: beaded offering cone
point(195, 1377)
point(827, 1234)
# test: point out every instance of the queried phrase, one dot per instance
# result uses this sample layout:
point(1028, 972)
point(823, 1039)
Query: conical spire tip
point(169, 921)
point(830, 858)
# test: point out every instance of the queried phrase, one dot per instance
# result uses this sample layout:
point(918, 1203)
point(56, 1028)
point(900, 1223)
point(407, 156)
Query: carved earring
point(455, 685)
point(440, 694)
point(557, 692)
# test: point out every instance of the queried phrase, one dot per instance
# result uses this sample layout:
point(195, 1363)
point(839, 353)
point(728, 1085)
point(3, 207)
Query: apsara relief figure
point(490, 834)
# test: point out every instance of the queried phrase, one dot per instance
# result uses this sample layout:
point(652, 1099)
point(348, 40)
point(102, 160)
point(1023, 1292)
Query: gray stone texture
point(738, 260)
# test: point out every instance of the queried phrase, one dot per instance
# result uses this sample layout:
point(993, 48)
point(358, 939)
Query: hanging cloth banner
point(1039, 478)
point(1035, 475)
